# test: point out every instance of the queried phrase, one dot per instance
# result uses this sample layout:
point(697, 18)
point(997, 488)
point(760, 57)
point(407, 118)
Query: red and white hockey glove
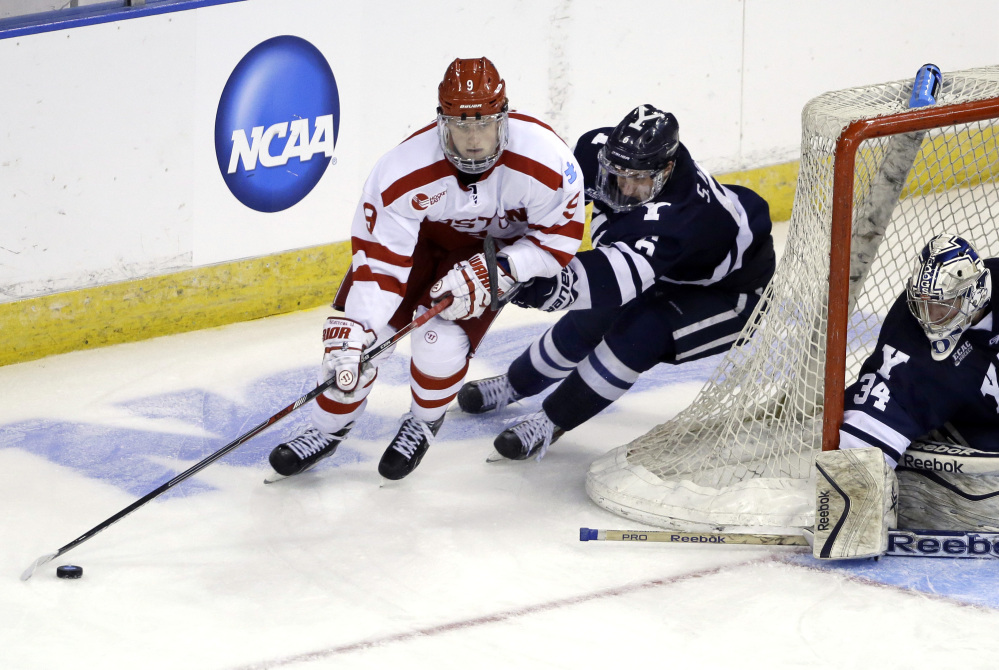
point(468, 284)
point(344, 341)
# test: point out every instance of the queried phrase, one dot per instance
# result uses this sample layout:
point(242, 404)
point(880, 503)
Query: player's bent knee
point(440, 348)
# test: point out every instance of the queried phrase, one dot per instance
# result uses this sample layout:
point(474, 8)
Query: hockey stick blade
point(208, 460)
point(40, 561)
point(911, 543)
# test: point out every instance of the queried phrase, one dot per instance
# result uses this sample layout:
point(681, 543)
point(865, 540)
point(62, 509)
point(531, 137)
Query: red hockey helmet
point(472, 118)
point(471, 87)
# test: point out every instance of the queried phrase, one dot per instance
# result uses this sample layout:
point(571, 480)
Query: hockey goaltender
point(918, 444)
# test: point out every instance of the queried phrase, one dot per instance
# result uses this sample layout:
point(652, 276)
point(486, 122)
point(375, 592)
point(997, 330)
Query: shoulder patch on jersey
point(961, 353)
point(570, 172)
point(421, 201)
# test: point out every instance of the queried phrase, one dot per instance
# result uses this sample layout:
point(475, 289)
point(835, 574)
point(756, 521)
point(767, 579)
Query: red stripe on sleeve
point(573, 229)
point(562, 257)
point(416, 179)
point(380, 252)
point(531, 168)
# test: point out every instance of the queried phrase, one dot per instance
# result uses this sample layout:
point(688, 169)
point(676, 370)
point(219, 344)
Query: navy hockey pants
point(598, 354)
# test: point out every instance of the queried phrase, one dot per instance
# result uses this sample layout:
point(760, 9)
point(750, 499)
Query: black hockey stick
point(495, 302)
point(201, 465)
point(489, 250)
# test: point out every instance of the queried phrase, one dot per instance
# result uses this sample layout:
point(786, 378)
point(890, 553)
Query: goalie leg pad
point(855, 503)
point(948, 486)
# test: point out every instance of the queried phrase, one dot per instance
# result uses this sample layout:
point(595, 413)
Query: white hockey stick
point(914, 543)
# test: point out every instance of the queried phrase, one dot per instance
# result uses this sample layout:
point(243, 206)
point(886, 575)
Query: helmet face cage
point(637, 159)
point(473, 145)
point(624, 188)
point(948, 286)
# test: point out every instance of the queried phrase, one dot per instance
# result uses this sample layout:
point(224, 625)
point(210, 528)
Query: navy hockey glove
point(550, 294)
point(535, 293)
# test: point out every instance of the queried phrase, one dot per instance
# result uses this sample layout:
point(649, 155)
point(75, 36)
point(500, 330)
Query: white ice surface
point(462, 565)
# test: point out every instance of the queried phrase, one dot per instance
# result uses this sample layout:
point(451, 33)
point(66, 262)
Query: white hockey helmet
point(948, 287)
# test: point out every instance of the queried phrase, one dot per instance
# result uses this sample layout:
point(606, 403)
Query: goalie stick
point(913, 543)
point(266, 423)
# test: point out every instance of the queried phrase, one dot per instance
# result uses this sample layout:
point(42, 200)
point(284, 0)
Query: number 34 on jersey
point(872, 388)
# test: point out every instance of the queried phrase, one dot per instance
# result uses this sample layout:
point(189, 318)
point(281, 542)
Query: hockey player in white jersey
point(925, 407)
point(678, 264)
point(417, 236)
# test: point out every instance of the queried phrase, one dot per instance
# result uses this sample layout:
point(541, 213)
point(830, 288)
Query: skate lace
point(410, 435)
point(310, 442)
point(533, 429)
point(497, 391)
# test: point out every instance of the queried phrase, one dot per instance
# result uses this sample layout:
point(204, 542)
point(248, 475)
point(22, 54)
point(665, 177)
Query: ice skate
point(408, 446)
point(531, 436)
point(486, 395)
point(301, 453)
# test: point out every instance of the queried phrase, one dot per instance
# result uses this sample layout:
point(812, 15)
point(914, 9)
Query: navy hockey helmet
point(637, 160)
point(947, 290)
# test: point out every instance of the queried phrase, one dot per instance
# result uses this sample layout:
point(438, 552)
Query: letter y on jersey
point(891, 358)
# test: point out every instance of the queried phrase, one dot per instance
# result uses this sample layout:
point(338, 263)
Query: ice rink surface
point(464, 564)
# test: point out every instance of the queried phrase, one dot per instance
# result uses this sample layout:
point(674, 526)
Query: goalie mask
point(472, 119)
point(949, 286)
point(638, 158)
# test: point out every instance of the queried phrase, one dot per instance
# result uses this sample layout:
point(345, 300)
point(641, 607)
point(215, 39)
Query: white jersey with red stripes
point(530, 201)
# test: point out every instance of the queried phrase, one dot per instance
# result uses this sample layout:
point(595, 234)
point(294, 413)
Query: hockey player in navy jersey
point(926, 402)
point(678, 264)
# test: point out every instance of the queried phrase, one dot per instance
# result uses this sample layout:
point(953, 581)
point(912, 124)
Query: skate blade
point(495, 457)
point(273, 478)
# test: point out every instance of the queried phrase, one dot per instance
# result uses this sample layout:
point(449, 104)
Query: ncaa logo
point(277, 123)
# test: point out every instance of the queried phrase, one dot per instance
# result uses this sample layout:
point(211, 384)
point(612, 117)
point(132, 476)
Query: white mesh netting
point(741, 454)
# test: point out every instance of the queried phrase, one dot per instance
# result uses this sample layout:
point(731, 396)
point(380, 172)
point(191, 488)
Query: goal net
point(876, 181)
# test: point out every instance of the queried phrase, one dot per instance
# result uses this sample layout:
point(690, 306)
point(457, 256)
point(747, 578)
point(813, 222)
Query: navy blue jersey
point(695, 231)
point(903, 394)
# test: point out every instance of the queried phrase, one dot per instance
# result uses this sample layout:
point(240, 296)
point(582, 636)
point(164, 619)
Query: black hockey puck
point(69, 572)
